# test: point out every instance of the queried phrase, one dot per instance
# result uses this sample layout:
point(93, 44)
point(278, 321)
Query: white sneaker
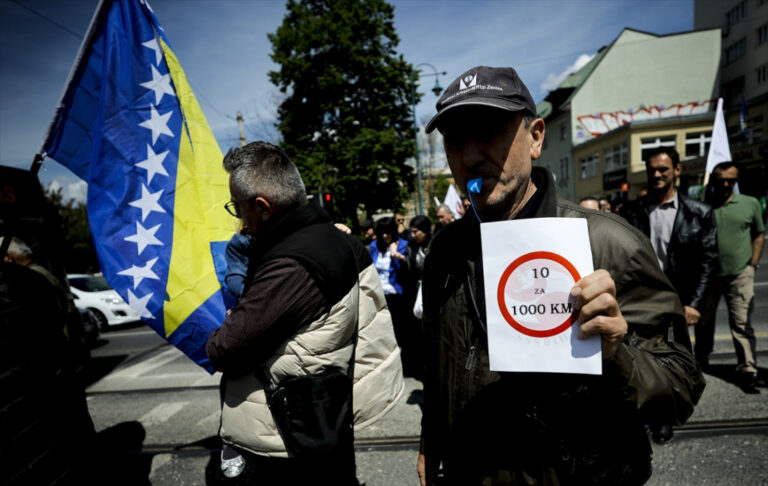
point(233, 466)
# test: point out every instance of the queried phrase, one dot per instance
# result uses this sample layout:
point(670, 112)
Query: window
point(732, 90)
point(755, 129)
point(563, 131)
point(762, 73)
point(565, 168)
point(648, 144)
point(697, 144)
point(736, 50)
point(736, 14)
point(762, 34)
point(616, 157)
point(589, 166)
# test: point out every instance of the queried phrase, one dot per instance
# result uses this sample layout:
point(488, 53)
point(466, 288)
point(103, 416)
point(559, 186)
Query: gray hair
point(18, 250)
point(444, 207)
point(263, 169)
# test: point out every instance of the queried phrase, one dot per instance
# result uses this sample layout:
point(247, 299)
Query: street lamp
point(437, 89)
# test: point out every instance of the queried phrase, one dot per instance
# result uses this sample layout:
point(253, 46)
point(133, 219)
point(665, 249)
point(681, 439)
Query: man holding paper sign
point(595, 354)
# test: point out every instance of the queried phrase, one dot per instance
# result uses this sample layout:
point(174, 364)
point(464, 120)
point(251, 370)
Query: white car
point(94, 294)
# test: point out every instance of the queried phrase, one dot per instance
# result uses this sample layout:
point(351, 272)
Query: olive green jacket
point(546, 428)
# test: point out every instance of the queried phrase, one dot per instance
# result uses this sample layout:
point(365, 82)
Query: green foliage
point(346, 120)
point(78, 254)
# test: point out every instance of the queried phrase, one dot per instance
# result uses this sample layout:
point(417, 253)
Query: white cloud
point(553, 80)
point(75, 190)
point(54, 186)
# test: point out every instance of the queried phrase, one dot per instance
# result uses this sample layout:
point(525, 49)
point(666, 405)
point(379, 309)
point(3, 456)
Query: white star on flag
point(139, 304)
point(148, 202)
point(144, 236)
point(157, 123)
point(152, 44)
point(140, 273)
point(153, 164)
point(160, 84)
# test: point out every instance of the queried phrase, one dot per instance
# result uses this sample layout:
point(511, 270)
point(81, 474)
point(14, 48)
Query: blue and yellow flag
point(129, 125)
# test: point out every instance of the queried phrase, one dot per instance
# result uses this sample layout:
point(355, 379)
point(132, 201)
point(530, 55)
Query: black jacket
point(692, 252)
point(301, 266)
point(495, 428)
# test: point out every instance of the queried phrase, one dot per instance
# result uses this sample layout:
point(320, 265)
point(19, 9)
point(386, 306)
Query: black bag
point(314, 413)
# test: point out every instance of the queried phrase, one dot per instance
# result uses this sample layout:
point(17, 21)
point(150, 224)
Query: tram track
point(403, 443)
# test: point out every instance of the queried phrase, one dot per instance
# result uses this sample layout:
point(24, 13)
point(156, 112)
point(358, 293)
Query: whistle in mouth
point(474, 185)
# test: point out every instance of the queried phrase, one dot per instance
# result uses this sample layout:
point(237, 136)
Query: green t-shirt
point(738, 223)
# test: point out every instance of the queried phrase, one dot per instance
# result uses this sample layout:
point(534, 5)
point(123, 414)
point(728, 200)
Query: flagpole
point(37, 162)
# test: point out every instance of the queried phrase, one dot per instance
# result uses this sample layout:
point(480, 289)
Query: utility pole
point(240, 126)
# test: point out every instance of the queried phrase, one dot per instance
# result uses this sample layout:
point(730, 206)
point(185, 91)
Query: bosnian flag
point(129, 125)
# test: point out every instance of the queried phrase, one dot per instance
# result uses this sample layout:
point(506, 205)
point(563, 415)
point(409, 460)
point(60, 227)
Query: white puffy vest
point(246, 420)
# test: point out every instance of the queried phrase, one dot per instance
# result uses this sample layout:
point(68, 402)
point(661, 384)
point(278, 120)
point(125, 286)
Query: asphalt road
point(159, 412)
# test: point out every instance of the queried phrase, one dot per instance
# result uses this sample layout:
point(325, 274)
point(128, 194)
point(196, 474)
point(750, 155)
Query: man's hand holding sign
point(536, 272)
point(599, 312)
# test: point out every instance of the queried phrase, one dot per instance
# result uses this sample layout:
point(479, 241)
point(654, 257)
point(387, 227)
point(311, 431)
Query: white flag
point(719, 150)
point(453, 201)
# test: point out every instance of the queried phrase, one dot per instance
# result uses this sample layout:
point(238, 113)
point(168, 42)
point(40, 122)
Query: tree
point(346, 118)
point(78, 254)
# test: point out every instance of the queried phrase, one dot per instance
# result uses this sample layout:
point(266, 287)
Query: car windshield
point(89, 284)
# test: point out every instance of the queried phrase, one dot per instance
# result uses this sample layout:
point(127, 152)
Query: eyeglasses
point(233, 208)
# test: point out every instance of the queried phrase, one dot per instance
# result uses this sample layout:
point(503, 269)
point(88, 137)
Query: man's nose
point(472, 153)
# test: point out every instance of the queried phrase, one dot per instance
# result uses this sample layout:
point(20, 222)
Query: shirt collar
point(670, 203)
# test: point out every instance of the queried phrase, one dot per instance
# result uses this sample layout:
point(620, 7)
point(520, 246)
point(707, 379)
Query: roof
point(577, 79)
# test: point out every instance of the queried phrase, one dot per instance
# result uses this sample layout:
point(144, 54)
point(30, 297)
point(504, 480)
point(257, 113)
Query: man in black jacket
point(683, 234)
point(311, 305)
point(492, 428)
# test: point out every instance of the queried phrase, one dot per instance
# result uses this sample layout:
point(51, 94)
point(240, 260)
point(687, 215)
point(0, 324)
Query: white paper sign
point(529, 269)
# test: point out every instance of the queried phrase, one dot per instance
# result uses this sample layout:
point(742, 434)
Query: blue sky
point(223, 48)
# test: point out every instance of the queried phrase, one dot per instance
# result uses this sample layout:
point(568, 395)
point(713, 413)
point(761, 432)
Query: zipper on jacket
point(470, 358)
point(469, 369)
point(472, 335)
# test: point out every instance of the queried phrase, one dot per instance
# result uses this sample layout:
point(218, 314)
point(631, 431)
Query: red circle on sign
point(544, 255)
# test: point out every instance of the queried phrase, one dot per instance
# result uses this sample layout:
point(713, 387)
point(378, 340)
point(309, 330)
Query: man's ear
point(536, 132)
point(266, 208)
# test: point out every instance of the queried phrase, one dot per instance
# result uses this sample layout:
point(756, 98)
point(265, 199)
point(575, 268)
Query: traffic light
point(327, 199)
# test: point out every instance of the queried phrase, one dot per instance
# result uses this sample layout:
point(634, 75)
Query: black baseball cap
point(485, 86)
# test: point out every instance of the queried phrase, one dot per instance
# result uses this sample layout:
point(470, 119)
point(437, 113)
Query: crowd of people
point(323, 324)
point(662, 262)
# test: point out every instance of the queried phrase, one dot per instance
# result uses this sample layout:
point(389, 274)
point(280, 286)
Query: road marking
point(761, 284)
point(158, 461)
point(138, 369)
point(161, 413)
point(210, 420)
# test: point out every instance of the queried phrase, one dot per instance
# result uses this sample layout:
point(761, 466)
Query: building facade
point(743, 82)
point(640, 92)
